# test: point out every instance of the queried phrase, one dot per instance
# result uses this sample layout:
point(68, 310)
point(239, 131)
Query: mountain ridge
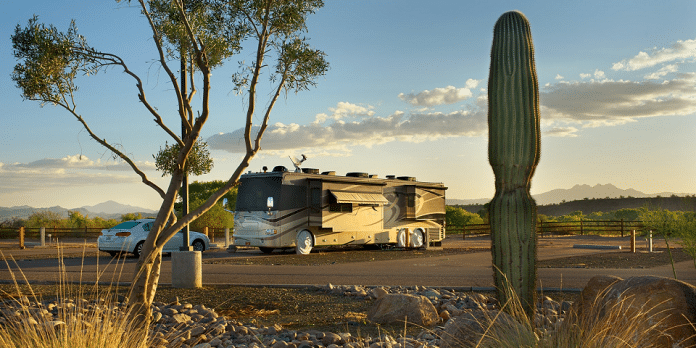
point(575, 193)
point(107, 210)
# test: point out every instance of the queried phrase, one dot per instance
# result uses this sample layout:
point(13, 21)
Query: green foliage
point(216, 217)
point(218, 28)
point(514, 145)
point(49, 61)
point(131, 216)
point(455, 216)
point(75, 220)
point(198, 162)
point(45, 219)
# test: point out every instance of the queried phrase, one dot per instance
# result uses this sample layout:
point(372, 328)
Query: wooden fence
point(581, 227)
point(543, 228)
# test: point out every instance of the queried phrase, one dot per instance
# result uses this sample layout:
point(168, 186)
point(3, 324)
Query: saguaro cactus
point(513, 150)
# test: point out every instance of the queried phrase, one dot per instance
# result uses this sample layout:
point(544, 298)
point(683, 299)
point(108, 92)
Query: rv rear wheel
point(304, 242)
point(417, 238)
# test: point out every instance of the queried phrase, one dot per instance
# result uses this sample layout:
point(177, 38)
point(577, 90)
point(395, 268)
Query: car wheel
point(138, 249)
point(266, 250)
point(198, 245)
point(305, 242)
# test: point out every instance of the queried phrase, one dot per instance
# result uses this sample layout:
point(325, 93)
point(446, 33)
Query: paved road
point(461, 270)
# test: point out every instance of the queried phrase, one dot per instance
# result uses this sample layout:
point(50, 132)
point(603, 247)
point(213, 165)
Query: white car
point(129, 237)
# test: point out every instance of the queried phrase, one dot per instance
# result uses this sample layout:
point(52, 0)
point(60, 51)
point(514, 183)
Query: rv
point(306, 209)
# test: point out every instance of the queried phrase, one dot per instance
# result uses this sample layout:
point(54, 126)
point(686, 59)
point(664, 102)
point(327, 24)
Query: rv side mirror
point(269, 203)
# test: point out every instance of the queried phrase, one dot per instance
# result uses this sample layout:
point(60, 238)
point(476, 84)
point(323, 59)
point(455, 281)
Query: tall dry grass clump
point(77, 315)
point(622, 325)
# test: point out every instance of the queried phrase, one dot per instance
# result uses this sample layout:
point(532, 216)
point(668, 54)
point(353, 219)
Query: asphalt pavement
point(466, 270)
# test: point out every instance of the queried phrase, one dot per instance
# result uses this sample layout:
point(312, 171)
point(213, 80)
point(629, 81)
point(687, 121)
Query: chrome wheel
point(417, 238)
point(305, 242)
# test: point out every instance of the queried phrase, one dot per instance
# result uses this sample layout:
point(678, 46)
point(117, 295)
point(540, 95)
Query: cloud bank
point(68, 171)
point(595, 100)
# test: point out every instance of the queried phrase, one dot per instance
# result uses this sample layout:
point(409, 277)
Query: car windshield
point(126, 225)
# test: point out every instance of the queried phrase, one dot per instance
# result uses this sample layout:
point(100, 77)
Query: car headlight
point(271, 231)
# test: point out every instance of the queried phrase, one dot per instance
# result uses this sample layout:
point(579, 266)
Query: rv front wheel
point(305, 242)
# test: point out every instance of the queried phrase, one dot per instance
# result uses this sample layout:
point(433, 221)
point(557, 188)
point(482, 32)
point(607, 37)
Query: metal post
point(185, 246)
point(21, 238)
point(633, 241)
point(43, 236)
point(650, 243)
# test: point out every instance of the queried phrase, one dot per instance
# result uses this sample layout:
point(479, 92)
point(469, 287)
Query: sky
point(405, 95)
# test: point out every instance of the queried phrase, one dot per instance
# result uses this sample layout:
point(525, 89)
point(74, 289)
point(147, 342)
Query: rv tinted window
point(254, 192)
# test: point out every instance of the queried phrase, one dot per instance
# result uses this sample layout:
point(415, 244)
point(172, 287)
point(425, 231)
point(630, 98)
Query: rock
point(392, 308)
point(653, 309)
point(379, 292)
point(466, 330)
point(330, 338)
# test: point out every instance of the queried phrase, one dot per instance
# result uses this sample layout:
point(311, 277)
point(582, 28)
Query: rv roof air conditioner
point(358, 175)
point(331, 172)
point(310, 170)
point(280, 169)
point(407, 178)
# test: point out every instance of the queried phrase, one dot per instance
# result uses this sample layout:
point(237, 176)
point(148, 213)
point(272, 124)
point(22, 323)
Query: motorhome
point(306, 209)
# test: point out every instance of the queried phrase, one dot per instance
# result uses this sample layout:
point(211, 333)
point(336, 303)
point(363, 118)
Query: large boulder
point(395, 308)
point(652, 309)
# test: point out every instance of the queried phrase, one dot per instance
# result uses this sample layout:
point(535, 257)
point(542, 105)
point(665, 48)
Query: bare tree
point(204, 34)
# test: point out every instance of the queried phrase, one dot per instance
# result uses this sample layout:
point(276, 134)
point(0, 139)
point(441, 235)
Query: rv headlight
point(271, 231)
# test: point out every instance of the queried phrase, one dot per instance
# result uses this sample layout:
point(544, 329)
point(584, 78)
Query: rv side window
point(341, 207)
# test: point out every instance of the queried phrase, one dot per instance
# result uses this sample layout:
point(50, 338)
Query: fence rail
point(581, 227)
point(553, 228)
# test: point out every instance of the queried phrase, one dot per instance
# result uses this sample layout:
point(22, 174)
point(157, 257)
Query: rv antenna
point(297, 163)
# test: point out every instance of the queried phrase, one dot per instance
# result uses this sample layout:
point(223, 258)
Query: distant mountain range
point(577, 192)
point(106, 210)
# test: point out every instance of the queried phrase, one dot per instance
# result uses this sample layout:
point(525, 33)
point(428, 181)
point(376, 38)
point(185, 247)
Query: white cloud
point(561, 132)
point(440, 96)
point(599, 75)
point(343, 110)
point(415, 127)
point(667, 69)
point(681, 50)
point(559, 77)
point(584, 76)
point(606, 102)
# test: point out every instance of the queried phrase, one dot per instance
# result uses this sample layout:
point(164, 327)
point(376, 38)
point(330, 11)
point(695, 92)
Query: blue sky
point(405, 95)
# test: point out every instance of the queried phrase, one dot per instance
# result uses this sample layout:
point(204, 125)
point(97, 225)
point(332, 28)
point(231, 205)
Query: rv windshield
point(254, 192)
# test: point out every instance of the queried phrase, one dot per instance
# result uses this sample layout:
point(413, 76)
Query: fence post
point(622, 228)
point(43, 236)
point(582, 231)
point(21, 237)
point(541, 228)
point(633, 241)
point(464, 232)
point(205, 231)
point(227, 237)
